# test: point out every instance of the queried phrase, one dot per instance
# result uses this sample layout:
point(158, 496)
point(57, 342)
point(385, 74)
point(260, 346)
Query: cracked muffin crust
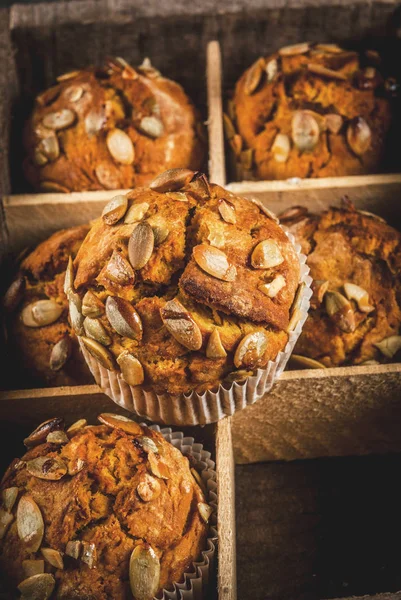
point(114, 127)
point(310, 110)
point(185, 285)
point(102, 512)
point(355, 262)
point(40, 337)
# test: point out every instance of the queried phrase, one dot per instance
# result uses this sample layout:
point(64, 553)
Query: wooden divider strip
point(215, 117)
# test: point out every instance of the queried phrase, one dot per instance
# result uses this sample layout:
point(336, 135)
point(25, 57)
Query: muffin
point(355, 262)
point(40, 338)
point(310, 110)
point(190, 286)
point(110, 128)
point(97, 512)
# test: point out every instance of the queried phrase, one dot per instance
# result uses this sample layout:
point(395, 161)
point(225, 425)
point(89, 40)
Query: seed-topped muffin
point(113, 127)
point(355, 262)
point(97, 512)
point(310, 110)
point(40, 338)
point(183, 285)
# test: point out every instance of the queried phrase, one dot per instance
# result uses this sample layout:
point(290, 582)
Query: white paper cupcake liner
point(210, 406)
point(194, 586)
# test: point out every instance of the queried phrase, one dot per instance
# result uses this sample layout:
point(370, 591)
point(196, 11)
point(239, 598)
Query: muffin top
point(39, 335)
point(183, 284)
point(113, 127)
point(310, 110)
point(97, 512)
point(355, 262)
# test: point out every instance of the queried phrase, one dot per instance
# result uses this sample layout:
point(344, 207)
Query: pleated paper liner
point(212, 405)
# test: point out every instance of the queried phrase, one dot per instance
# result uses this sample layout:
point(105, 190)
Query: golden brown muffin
point(184, 284)
point(310, 110)
point(110, 128)
point(46, 348)
point(355, 261)
point(98, 512)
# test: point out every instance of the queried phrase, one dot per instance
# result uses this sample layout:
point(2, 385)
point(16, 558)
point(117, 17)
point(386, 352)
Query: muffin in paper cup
point(131, 547)
point(187, 300)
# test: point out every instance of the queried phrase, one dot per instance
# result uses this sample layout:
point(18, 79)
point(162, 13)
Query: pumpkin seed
point(57, 437)
point(30, 524)
point(41, 313)
point(94, 122)
point(148, 444)
point(294, 320)
point(136, 212)
point(74, 549)
point(329, 48)
point(266, 255)
point(74, 93)
point(215, 348)
point(69, 277)
point(59, 120)
point(120, 422)
point(37, 587)
point(293, 214)
point(151, 126)
point(361, 297)
point(253, 77)
point(92, 306)
point(281, 148)
point(39, 435)
point(120, 147)
point(181, 325)
point(251, 350)
point(6, 519)
point(274, 287)
point(205, 511)
point(50, 148)
point(390, 345)
point(99, 352)
point(199, 480)
point(372, 215)
point(214, 262)
point(48, 96)
point(229, 128)
point(119, 270)
point(271, 69)
point(236, 144)
point(227, 211)
point(294, 49)
point(131, 368)
point(157, 467)
point(359, 136)
point(33, 567)
point(172, 180)
point(179, 196)
point(217, 238)
point(115, 209)
point(77, 426)
point(325, 72)
point(305, 130)
point(160, 233)
point(60, 353)
point(75, 466)
point(333, 122)
point(69, 75)
point(89, 554)
point(76, 316)
point(9, 496)
point(53, 557)
point(140, 245)
point(148, 488)
point(95, 330)
point(39, 158)
point(304, 362)
point(14, 294)
point(123, 318)
point(46, 467)
point(319, 288)
point(340, 311)
point(144, 572)
point(199, 186)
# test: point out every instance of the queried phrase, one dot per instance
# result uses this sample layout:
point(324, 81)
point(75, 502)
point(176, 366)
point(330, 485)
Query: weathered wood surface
point(327, 412)
point(318, 529)
point(215, 110)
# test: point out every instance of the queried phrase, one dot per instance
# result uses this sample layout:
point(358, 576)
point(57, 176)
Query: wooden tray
point(309, 414)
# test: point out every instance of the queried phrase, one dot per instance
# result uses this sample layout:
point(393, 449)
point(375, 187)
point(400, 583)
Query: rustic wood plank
point(319, 529)
point(215, 119)
point(329, 412)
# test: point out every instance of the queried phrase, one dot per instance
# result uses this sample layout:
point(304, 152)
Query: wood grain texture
point(227, 577)
point(325, 528)
point(215, 118)
point(329, 412)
